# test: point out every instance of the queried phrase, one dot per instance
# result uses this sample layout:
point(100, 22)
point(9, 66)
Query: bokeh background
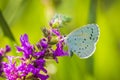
point(29, 16)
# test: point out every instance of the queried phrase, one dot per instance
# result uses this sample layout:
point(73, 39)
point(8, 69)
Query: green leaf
point(5, 28)
point(13, 10)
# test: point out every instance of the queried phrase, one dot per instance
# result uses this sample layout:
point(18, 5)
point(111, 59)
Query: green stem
point(91, 19)
point(92, 11)
point(5, 28)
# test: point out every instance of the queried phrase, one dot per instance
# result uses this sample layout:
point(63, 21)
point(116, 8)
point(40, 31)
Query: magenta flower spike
point(32, 63)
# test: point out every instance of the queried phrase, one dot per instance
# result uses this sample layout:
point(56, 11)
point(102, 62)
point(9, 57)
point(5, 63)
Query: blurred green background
point(29, 16)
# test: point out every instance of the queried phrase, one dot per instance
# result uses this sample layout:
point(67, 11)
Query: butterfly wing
point(82, 41)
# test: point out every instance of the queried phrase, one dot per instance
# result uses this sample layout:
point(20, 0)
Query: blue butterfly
point(82, 41)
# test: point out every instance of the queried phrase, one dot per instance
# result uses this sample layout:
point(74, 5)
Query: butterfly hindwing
point(82, 41)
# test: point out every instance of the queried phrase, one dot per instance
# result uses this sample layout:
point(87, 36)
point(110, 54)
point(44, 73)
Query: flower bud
point(54, 40)
point(46, 32)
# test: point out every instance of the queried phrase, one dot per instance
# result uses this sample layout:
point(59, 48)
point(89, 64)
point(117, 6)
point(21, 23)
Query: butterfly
point(82, 41)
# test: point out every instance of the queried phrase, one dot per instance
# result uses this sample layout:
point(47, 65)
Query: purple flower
point(59, 51)
point(23, 70)
point(42, 44)
point(26, 47)
point(1, 69)
point(32, 63)
point(40, 64)
point(37, 67)
point(10, 70)
point(2, 53)
point(42, 77)
point(56, 32)
point(36, 72)
point(5, 50)
point(40, 54)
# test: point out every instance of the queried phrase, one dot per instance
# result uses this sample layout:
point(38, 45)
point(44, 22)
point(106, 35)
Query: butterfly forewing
point(82, 41)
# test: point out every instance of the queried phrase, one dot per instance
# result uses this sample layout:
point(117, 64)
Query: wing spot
point(91, 35)
point(84, 39)
point(74, 50)
point(79, 48)
point(79, 52)
point(90, 38)
point(92, 29)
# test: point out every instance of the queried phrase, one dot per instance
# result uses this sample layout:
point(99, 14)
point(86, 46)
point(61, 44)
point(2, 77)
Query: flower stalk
point(33, 59)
